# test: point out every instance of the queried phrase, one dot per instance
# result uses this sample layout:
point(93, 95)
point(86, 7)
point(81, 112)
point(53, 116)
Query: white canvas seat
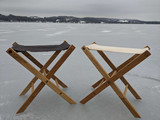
point(116, 49)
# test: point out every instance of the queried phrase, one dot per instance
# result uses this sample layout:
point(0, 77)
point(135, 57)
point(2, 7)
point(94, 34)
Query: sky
point(131, 9)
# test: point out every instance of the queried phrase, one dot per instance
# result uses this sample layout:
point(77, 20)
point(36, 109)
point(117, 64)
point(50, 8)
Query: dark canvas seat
point(43, 74)
point(41, 48)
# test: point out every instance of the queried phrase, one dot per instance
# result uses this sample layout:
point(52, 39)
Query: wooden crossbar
point(57, 83)
point(125, 90)
point(101, 83)
point(113, 67)
point(32, 86)
point(51, 59)
point(117, 73)
point(45, 79)
point(114, 72)
point(44, 72)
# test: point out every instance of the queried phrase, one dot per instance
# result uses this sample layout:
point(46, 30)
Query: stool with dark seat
point(43, 74)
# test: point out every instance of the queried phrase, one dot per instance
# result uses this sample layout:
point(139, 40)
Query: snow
point(123, 21)
point(79, 73)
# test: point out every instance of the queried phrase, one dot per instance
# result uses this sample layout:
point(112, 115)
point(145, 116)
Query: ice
point(41, 30)
point(137, 31)
point(157, 88)
point(79, 73)
point(106, 31)
point(2, 104)
point(3, 40)
point(5, 32)
point(56, 33)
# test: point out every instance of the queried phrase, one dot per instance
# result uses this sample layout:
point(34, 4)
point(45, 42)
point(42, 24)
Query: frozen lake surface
point(79, 73)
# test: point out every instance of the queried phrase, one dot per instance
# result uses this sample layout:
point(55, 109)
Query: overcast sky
point(132, 9)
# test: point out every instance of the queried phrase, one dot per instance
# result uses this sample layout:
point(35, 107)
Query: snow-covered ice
point(79, 73)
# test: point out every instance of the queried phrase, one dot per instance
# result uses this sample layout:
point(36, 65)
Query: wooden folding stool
point(43, 74)
point(117, 73)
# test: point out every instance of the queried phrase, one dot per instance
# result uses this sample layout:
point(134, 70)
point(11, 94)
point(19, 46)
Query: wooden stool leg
point(101, 70)
point(125, 100)
point(59, 81)
point(38, 89)
point(31, 98)
point(61, 61)
point(44, 79)
point(60, 92)
point(94, 93)
point(118, 68)
point(130, 88)
point(26, 89)
point(113, 67)
point(36, 62)
point(97, 83)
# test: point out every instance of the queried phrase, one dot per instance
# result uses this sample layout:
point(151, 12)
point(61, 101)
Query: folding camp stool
point(43, 74)
point(117, 73)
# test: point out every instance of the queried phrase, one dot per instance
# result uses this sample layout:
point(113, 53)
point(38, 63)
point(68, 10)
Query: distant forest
point(71, 19)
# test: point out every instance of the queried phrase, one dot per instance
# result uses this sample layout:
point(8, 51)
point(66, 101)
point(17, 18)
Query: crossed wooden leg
point(38, 64)
point(112, 66)
point(45, 79)
point(109, 79)
point(41, 70)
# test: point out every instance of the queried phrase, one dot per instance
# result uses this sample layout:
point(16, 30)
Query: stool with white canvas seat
point(108, 79)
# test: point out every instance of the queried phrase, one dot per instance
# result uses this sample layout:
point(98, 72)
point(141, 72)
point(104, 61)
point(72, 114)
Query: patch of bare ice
point(6, 82)
point(137, 31)
point(146, 77)
point(70, 27)
point(106, 31)
point(56, 33)
point(41, 30)
point(30, 116)
point(3, 103)
point(5, 32)
point(47, 53)
point(157, 87)
point(3, 40)
point(3, 45)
